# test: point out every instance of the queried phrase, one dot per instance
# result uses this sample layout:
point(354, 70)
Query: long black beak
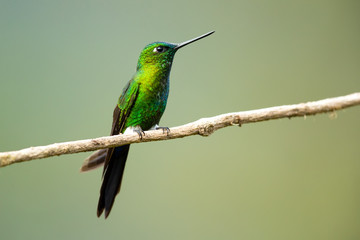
point(180, 45)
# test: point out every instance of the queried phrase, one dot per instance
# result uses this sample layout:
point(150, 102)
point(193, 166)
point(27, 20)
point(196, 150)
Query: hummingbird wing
point(97, 159)
point(121, 112)
point(116, 157)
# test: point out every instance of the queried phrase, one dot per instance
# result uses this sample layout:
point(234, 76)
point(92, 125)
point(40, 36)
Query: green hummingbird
point(139, 108)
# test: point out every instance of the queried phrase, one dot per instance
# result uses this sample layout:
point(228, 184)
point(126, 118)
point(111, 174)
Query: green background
point(63, 65)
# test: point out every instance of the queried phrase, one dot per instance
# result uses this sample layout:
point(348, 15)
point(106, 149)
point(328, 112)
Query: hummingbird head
point(161, 54)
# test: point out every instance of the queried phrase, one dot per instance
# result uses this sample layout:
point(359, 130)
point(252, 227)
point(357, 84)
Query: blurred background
point(63, 65)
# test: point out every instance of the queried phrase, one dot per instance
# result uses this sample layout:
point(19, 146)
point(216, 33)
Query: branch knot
point(206, 130)
point(236, 121)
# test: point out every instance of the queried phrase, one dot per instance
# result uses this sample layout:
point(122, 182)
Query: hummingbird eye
point(160, 49)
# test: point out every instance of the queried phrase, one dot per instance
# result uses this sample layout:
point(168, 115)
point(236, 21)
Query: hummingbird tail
point(112, 179)
point(94, 161)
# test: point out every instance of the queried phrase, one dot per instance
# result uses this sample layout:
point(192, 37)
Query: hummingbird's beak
point(180, 45)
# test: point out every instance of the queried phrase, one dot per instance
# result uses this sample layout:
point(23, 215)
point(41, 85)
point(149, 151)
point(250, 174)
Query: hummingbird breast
point(150, 103)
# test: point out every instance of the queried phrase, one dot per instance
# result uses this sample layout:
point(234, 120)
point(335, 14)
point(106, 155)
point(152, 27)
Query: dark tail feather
point(112, 179)
point(94, 161)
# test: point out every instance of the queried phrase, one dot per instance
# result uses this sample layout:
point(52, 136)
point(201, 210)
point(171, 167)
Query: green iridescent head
point(161, 54)
point(157, 53)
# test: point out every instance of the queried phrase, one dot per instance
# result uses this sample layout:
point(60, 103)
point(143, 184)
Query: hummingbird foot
point(136, 129)
point(157, 127)
point(164, 129)
point(140, 132)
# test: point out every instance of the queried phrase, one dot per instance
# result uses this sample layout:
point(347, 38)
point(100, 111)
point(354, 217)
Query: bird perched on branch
point(139, 108)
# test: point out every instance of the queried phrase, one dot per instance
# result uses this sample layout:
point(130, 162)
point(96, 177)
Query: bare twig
point(204, 127)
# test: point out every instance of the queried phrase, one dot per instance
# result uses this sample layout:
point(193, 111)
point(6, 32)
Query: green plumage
point(150, 85)
point(140, 107)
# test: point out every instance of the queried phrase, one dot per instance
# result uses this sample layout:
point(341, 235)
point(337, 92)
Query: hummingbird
point(139, 108)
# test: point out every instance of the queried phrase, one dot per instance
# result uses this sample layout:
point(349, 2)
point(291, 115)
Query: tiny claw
point(140, 132)
point(164, 129)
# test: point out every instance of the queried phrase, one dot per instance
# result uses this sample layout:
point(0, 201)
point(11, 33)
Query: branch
point(203, 127)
